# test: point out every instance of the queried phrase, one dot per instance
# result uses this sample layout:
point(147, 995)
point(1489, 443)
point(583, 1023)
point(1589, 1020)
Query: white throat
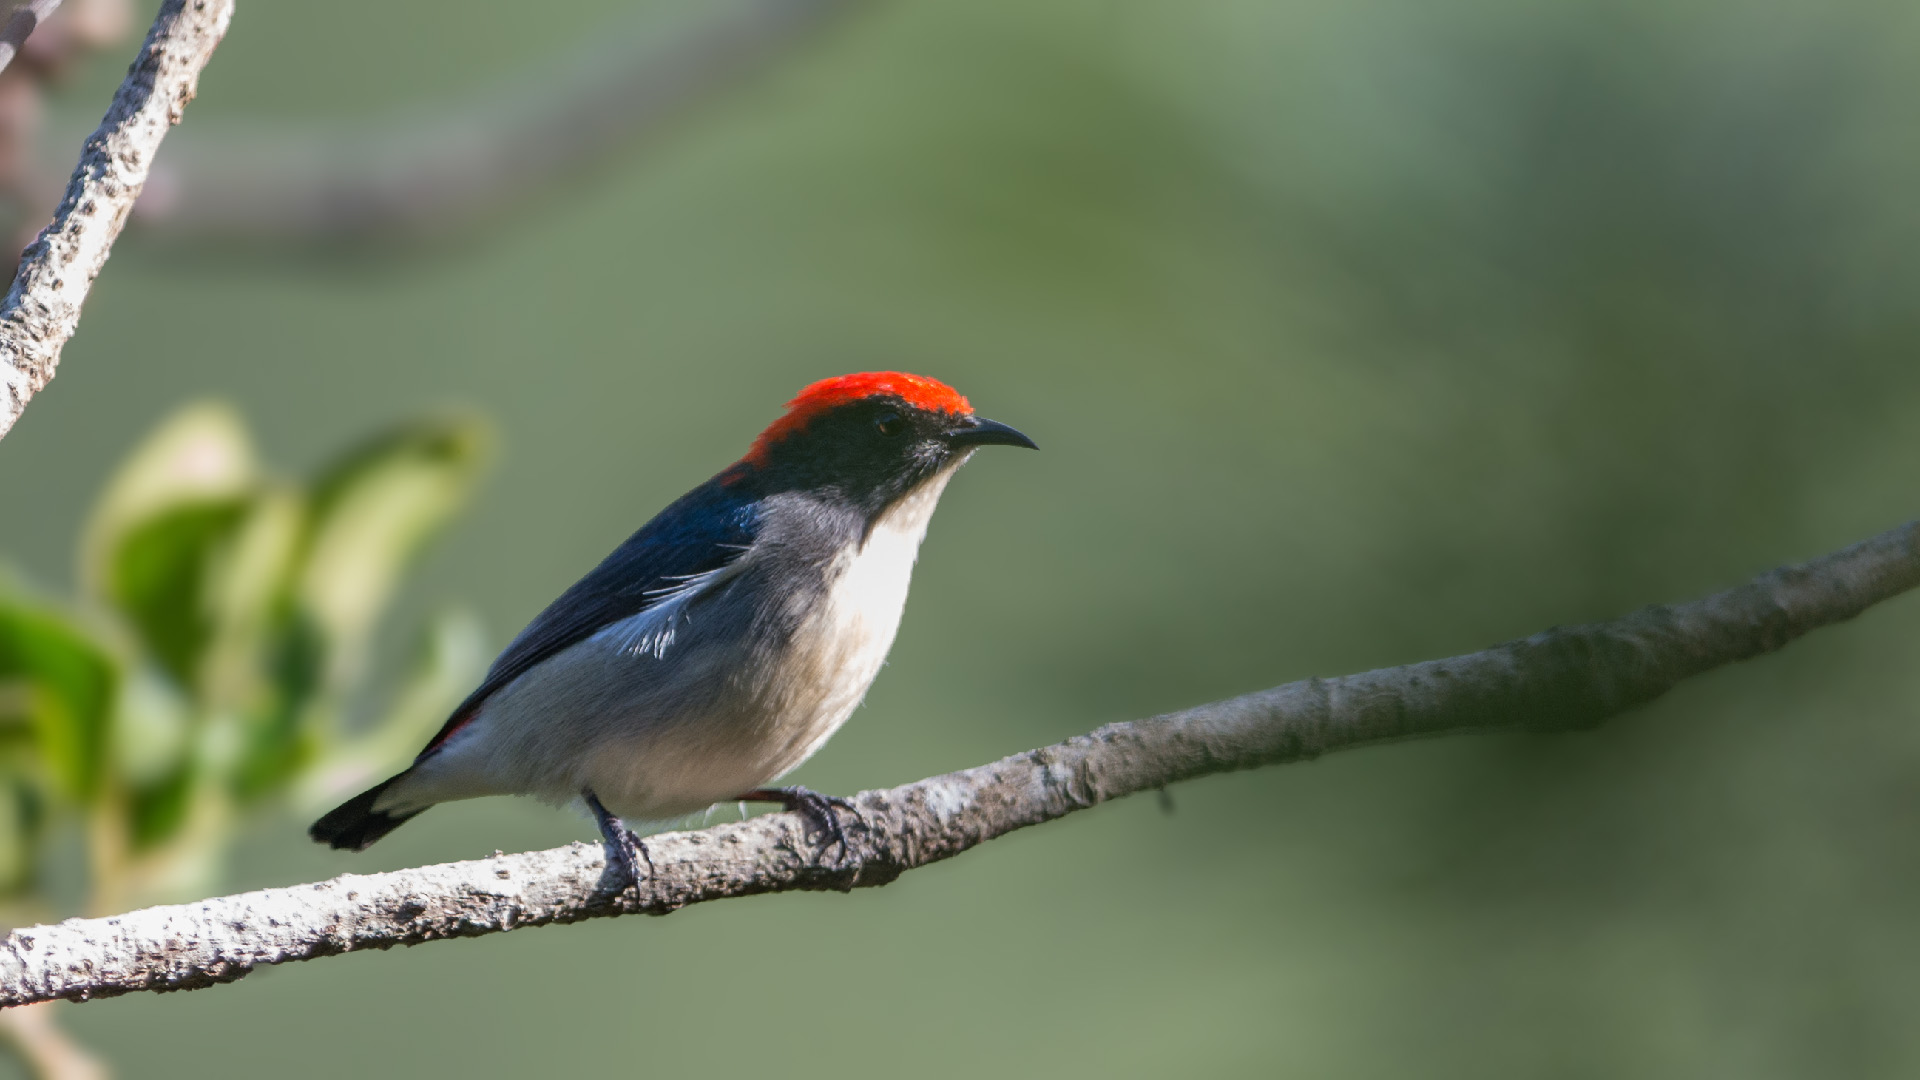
point(845, 643)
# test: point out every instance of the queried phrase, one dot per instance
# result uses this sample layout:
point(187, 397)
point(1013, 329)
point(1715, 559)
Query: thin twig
point(1556, 680)
point(42, 308)
point(21, 23)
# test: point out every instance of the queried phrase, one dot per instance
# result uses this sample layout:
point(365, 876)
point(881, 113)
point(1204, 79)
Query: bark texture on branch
point(21, 22)
point(1558, 679)
point(43, 306)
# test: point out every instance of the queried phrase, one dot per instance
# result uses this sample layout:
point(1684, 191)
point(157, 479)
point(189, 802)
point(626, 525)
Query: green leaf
point(157, 811)
point(279, 740)
point(371, 513)
point(162, 574)
point(183, 514)
point(22, 821)
point(153, 730)
point(201, 454)
point(246, 596)
point(63, 684)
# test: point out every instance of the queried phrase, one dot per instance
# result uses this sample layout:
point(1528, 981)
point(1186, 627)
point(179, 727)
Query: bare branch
point(21, 22)
point(42, 308)
point(1556, 680)
point(441, 169)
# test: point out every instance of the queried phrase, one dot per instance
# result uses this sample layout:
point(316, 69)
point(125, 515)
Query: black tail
point(354, 825)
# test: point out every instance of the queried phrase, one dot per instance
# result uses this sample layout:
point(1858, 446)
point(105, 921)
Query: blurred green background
point(1354, 333)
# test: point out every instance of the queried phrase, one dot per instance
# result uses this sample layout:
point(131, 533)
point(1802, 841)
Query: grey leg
point(622, 845)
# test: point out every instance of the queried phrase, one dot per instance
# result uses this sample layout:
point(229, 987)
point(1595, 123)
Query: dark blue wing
point(702, 531)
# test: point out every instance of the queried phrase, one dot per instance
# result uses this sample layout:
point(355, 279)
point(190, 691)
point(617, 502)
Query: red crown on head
point(916, 390)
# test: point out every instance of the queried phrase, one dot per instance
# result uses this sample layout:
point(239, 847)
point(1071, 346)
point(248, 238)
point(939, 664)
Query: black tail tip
point(355, 825)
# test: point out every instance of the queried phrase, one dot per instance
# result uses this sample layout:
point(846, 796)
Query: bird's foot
point(623, 846)
point(816, 808)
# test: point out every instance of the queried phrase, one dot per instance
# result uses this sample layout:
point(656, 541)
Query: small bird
point(721, 644)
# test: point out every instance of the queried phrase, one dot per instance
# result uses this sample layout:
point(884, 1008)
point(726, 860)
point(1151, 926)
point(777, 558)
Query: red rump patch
point(454, 723)
point(916, 390)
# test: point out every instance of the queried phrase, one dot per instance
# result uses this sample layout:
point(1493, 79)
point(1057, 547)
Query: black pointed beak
point(977, 431)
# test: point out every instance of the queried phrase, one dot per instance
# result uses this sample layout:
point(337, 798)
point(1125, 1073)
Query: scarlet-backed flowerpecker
point(721, 644)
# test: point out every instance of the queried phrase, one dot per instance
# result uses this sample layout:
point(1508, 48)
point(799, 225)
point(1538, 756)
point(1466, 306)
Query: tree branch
point(21, 22)
point(437, 170)
point(42, 308)
point(1556, 680)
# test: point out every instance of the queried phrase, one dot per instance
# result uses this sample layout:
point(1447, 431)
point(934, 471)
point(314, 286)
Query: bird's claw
point(631, 851)
point(818, 810)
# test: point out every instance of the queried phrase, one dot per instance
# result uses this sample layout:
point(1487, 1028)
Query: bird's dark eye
point(889, 424)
